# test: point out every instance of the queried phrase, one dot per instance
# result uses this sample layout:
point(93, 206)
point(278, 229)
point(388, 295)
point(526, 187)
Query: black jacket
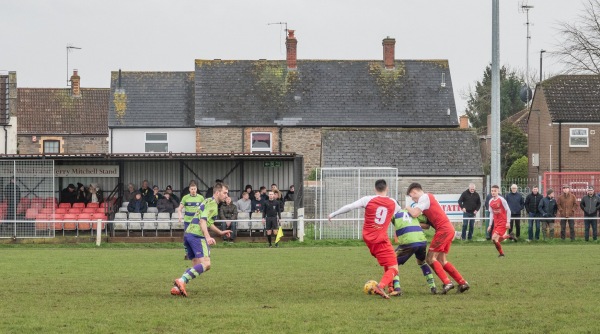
point(272, 209)
point(532, 202)
point(469, 201)
point(548, 207)
point(590, 205)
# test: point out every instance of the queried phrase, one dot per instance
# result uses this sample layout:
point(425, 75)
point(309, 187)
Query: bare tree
point(579, 48)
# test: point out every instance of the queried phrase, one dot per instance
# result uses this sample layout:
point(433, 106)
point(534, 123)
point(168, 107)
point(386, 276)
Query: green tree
point(513, 145)
point(519, 169)
point(479, 103)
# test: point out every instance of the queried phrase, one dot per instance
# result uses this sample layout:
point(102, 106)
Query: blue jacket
point(548, 207)
point(515, 201)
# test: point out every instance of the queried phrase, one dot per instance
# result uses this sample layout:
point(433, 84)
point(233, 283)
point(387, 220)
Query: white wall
point(11, 135)
point(134, 140)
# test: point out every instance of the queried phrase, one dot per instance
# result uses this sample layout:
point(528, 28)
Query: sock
point(192, 273)
point(449, 268)
point(396, 282)
point(269, 238)
point(498, 247)
point(439, 271)
point(388, 277)
point(428, 275)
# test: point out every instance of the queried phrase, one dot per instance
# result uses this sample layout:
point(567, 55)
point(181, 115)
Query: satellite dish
point(525, 94)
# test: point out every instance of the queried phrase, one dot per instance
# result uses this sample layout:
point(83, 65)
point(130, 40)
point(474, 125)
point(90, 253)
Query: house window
point(157, 142)
point(578, 137)
point(51, 146)
point(261, 142)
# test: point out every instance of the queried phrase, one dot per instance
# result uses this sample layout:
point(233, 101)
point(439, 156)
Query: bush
point(519, 169)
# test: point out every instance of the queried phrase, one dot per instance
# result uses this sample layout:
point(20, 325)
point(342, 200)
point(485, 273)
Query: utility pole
point(541, 53)
point(495, 126)
point(525, 8)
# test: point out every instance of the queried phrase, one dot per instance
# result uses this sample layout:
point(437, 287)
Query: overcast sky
point(161, 35)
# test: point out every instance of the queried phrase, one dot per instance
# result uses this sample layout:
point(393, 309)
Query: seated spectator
point(94, 195)
point(290, 194)
point(156, 195)
point(257, 205)
point(244, 204)
point(263, 193)
point(229, 213)
point(277, 195)
point(68, 194)
point(146, 191)
point(138, 204)
point(174, 197)
point(81, 194)
point(274, 187)
point(248, 189)
point(166, 203)
point(129, 193)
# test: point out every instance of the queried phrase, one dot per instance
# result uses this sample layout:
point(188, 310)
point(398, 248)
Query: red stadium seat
point(65, 205)
point(23, 205)
point(79, 205)
point(50, 202)
point(93, 205)
point(97, 216)
point(36, 205)
point(75, 211)
point(58, 224)
point(88, 210)
point(85, 225)
point(68, 222)
point(100, 210)
point(60, 210)
point(31, 213)
point(46, 210)
point(41, 222)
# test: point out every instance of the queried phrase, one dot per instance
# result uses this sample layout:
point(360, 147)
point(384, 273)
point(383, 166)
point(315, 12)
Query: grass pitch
point(537, 288)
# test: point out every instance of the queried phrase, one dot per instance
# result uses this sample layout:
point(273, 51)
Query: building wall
point(304, 141)
point(134, 140)
point(218, 140)
point(68, 144)
point(578, 159)
point(540, 138)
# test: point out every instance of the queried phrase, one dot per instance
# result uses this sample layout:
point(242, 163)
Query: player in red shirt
point(501, 218)
point(379, 210)
point(444, 233)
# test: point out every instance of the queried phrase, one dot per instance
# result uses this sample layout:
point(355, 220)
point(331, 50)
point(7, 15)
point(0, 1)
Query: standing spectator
point(274, 187)
point(290, 194)
point(68, 194)
point(94, 194)
point(229, 213)
point(174, 197)
point(257, 204)
point(12, 195)
point(263, 193)
point(566, 202)
point(532, 202)
point(516, 203)
point(138, 204)
point(244, 204)
point(271, 216)
point(590, 205)
point(209, 191)
point(129, 193)
point(548, 210)
point(470, 202)
point(155, 196)
point(146, 191)
point(167, 204)
point(248, 189)
point(186, 190)
point(81, 194)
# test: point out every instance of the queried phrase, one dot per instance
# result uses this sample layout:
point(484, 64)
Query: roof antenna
point(286, 30)
point(69, 48)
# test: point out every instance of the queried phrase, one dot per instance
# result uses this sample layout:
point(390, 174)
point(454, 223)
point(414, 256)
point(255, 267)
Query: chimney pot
point(75, 84)
point(291, 43)
point(389, 45)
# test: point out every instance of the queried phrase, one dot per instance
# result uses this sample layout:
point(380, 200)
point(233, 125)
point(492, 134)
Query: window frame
point(586, 136)
point(261, 149)
point(146, 141)
point(50, 141)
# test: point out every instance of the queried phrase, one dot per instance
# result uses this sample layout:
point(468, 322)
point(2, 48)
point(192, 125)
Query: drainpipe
point(280, 138)
point(559, 147)
point(5, 139)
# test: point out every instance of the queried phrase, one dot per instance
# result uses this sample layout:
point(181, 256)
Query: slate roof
point(55, 111)
point(573, 98)
point(324, 93)
point(519, 120)
point(430, 152)
point(151, 99)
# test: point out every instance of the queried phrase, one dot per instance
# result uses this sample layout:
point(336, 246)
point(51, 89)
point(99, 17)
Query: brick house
point(62, 120)
point(563, 124)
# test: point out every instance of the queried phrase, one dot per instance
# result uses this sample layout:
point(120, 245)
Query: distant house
point(62, 120)
point(564, 125)
point(152, 112)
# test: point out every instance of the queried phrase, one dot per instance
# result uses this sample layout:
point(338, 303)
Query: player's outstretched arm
point(219, 232)
point(204, 226)
point(361, 203)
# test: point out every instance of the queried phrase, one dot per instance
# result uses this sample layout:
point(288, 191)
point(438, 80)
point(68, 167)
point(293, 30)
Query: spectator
point(532, 202)
point(229, 213)
point(274, 187)
point(248, 189)
point(278, 196)
point(548, 210)
point(81, 194)
point(94, 194)
point(186, 190)
point(566, 202)
point(138, 204)
point(154, 197)
point(129, 193)
point(209, 191)
point(166, 203)
point(174, 197)
point(590, 205)
point(516, 203)
point(146, 191)
point(290, 194)
point(244, 204)
point(257, 204)
point(263, 193)
point(470, 202)
point(68, 194)
point(12, 196)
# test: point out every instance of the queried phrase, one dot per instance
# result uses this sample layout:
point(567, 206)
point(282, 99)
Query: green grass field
point(537, 288)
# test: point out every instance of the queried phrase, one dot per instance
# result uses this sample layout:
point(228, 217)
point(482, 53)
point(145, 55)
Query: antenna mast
point(69, 48)
point(286, 30)
point(525, 9)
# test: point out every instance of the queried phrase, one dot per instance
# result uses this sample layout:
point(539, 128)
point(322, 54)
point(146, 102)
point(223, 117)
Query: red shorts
point(499, 230)
point(441, 241)
point(383, 252)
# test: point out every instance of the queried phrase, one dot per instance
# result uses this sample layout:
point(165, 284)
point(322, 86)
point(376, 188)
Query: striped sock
point(428, 275)
point(192, 273)
point(396, 282)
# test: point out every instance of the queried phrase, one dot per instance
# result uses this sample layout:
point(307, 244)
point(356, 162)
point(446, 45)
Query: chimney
point(389, 45)
point(464, 122)
point(75, 88)
point(290, 44)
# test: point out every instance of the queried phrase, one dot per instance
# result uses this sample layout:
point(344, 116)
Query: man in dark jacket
point(138, 205)
point(548, 210)
point(271, 216)
point(166, 203)
point(531, 206)
point(516, 203)
point(590, 204)
point(68, 195)
point(470, 203)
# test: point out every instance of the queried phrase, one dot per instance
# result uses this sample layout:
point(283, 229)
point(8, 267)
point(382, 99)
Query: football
point(368, 288)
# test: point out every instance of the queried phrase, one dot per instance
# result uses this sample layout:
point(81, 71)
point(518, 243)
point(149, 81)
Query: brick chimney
point(75, 87)
point(290, 44)
point(389, 45)
point(464, 122)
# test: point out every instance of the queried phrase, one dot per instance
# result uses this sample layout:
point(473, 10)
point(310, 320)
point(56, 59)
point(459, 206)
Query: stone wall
point(68, 144)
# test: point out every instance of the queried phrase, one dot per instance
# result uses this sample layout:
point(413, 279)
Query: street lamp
point(541, 53)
